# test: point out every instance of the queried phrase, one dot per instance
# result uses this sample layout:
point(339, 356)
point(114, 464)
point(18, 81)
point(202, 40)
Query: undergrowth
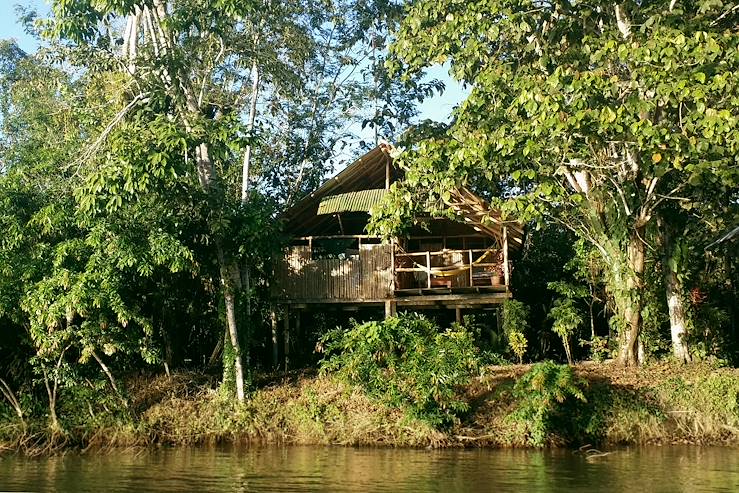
point(406, 362)
point(544, 394)
point(514, 405)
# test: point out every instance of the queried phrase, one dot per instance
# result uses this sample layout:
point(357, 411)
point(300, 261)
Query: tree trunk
point(675, 307)
point(230, 276)
point(568, 351)
point(190, 109)
point(244, 201)
point(631, 298)
point(109, 374)
point(275, 349)
point(252, 117)
point(231, 283)
point(51, 394)
point(678, 320)
point(674, 293)
point(233, 333)
point(52, 390)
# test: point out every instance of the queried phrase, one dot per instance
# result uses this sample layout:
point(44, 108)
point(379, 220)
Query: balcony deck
point(378, 273)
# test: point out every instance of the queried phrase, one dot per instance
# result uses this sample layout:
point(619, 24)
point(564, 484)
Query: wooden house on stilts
point(332, 263)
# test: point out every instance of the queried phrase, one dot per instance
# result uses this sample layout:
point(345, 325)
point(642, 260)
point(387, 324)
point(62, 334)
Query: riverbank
point(659, 403)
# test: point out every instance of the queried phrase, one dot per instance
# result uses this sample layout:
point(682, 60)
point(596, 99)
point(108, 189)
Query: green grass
point(510, 406)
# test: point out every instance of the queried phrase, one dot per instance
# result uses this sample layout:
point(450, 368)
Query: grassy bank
point(658, 403)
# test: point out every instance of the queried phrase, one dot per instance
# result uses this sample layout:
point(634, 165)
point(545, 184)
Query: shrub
point(406, 362)
point(566, 320)
point(515, 323)
point(599, 350)
point(518, 344)
point(543, 393)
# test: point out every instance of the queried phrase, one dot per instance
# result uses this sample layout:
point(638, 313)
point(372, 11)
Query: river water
point(648, 469)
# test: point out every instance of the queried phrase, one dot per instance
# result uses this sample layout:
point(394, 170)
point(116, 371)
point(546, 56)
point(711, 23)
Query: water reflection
point(668, 469)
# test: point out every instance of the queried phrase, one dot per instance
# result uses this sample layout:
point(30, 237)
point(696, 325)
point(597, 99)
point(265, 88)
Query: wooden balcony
point(365, 275)
point(375, 273)
point(451, 271)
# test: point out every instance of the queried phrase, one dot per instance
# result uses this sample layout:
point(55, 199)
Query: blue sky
point(437, 108)
point(9, 27)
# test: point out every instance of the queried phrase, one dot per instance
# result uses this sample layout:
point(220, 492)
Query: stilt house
point(333, 263)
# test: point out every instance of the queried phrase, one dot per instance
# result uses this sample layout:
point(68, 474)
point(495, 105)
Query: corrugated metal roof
point(360, 201)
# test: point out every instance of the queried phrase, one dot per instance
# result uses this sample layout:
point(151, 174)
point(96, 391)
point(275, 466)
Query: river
point(652, 469)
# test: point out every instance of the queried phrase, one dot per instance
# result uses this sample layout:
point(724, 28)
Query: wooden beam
point(341, 225)
point(287, 337)
point(297, 326)
point(472, 279)
point(506, 273)
point(390, 309)
point(455, 298)
point(387, 172)
point(335, 237)
point(302, 303)
point(428, 272)
point(327, 304)
point(393, 274)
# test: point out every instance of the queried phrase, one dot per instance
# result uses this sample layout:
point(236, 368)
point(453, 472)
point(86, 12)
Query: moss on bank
point(657, 403)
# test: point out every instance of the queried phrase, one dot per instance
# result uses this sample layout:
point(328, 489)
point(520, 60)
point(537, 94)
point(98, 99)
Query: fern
point(543, 393)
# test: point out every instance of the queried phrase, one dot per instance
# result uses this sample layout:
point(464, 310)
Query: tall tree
point(596, 114)
point(67, 278)
point(244, 87)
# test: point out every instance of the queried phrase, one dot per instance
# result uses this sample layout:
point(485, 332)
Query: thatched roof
point(366, 173)
point(362, 184)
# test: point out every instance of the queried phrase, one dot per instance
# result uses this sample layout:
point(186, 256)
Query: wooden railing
point(452, 268)
point(366, 276)
point(379, 270)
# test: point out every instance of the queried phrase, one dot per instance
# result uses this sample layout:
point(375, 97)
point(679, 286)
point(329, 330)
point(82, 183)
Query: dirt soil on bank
point(657, 403)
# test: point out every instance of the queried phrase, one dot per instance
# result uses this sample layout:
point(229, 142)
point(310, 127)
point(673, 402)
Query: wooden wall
point(364, 277)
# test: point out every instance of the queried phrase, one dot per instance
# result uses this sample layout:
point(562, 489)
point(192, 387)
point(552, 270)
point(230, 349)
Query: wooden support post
point(341, 224)
point(506, 273)
point(287, 337)
point(390, 309)
point(393, 279)
point(387, 173)
point(297, 329)
point(472, 279)
point(428, 272)
point(458, 314)
point(273, 320)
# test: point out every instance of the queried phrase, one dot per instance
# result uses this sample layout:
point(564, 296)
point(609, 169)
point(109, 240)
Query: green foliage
point(518, 344)
point(599, 350)
point(710, 335)
point(406, 362)
point(566, 320)
point(543, 394)
point(515, 324)
point(598, 115)
point(515, 316)
point(708, 394)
